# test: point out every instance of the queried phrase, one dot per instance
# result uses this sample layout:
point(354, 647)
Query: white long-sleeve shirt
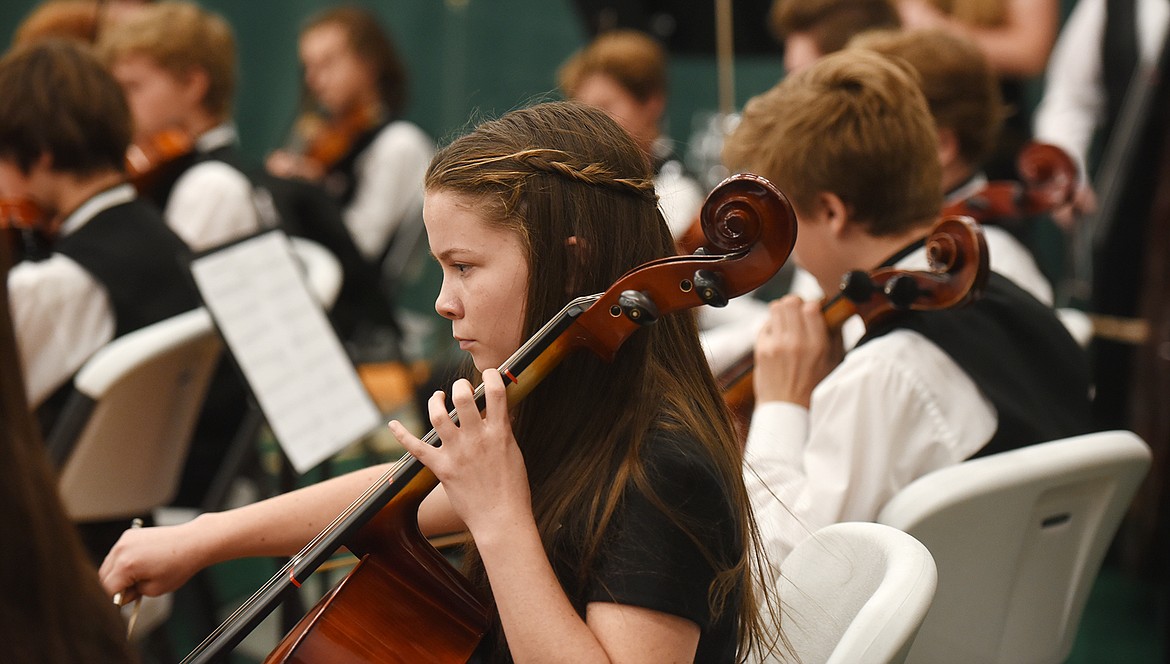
point(389, 185)
point(1073, 105)
point(893, 410)
point(61, 314)
point(212, 203)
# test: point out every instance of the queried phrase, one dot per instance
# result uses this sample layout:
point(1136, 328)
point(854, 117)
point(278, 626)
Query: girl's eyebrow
point(450, 254)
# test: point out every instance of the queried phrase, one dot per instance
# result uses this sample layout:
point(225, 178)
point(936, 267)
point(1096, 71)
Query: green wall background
point(468, 59)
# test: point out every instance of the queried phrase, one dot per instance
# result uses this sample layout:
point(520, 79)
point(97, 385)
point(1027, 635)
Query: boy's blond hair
point(961, 88)
point(180, 37)
point(855, 124)
point(633, 59)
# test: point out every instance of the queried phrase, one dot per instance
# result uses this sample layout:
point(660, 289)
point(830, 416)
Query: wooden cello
point(1048, 180)
point(403, 602)
point(957, 255)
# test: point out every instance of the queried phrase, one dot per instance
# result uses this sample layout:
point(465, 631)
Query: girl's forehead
point(455, 223)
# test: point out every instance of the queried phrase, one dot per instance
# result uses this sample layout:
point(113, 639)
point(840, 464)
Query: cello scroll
point(1049, 179)
point(956, 252)
point(958, 269)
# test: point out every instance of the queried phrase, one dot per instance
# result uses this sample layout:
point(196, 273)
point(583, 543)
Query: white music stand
point(290, 356)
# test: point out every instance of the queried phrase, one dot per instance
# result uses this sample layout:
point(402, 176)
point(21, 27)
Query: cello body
point(434, 616)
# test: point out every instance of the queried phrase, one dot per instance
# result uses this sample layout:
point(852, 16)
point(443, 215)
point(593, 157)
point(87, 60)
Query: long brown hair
point(557, 171)
point(52, 609)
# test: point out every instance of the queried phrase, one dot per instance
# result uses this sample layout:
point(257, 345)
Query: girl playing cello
point(608, 513)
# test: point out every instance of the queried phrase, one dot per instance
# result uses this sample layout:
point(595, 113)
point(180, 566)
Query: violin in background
point(1049, 179)
point(21, 225)
point(326, 142)
point(158, 160)
point(319, 143)
point(957, 255)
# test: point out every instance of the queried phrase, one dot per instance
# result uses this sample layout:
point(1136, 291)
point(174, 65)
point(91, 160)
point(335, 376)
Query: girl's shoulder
point(680, 468)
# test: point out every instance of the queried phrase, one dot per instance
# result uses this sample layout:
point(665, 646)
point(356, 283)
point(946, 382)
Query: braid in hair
point(560, 163)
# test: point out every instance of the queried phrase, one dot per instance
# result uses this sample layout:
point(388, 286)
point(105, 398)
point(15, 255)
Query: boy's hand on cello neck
point(794, 352)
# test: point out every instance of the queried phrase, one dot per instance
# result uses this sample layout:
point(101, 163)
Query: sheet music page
point(289, 353)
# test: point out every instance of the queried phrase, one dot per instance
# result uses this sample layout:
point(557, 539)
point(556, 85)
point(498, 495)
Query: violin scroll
point(1049, 174)
point(1049, 180)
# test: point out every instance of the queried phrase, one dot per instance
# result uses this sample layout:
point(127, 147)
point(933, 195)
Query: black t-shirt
point(648, 561)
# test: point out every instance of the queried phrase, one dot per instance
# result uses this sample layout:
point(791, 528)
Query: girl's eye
point(461, 267)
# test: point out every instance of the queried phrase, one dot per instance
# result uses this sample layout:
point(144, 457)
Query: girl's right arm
point(153, 561)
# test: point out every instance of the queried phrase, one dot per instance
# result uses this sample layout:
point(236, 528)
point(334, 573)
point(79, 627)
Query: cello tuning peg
point(857, 287)
point(902, 291)
point(638, 307)
point(709, 288)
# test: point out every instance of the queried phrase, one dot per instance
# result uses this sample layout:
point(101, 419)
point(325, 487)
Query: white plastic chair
point(323, 273)
point(123, 436)
point(1018, 538)
point(854, 592)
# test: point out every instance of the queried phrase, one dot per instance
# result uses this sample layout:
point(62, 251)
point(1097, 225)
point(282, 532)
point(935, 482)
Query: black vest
point(139, 261)
point(131, 251)
point(341, 179)
point(1019, 355)
point(1119, 58)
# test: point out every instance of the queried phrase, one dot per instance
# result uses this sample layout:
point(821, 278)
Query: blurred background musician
point(63, 19)
point(1099, 49)
point(115, 267)
point(624, 73)
point(810, 29)
point(351, 137)
point(963, 95)
point(176, 63)
point(1105, 102)
point(1016, 36)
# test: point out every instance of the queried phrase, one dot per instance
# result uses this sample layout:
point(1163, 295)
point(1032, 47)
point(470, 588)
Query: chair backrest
point(323, 273)
point(855, 592)
point(125, 432)
point(1018, 538)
